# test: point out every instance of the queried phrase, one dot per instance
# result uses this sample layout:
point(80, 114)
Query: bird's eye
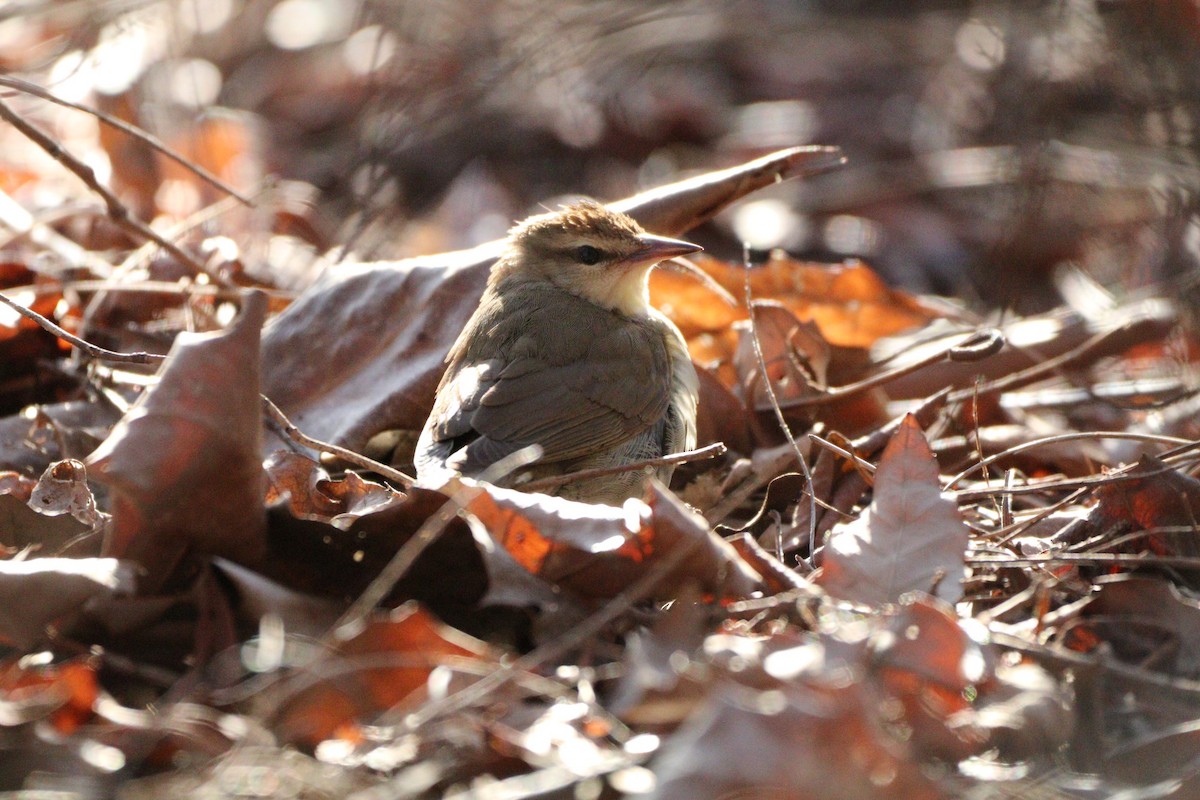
point(586, 254)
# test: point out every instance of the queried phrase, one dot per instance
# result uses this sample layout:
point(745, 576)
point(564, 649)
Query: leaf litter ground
point(941, 556)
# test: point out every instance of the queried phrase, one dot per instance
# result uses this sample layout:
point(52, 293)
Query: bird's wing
point(575, 387)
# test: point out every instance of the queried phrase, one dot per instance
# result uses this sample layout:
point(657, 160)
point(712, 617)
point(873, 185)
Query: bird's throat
point(626, 292)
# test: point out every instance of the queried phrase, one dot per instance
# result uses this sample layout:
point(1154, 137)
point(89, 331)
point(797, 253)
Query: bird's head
point(601, 255)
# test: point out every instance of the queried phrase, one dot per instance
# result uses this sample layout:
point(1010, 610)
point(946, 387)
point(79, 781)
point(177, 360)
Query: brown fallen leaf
point(787, 718)
point(311, 494)
point(386, 663)
point(184, 463)
point(596, 551)
point(959, 700)
point(911, 537)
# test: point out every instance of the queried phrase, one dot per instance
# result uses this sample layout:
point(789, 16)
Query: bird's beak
point(658, 248)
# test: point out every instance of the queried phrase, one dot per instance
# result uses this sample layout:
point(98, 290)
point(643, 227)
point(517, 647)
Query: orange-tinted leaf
point(385, 664)
point(595, 551)
point(910, 538)
point(312, 494)
point(1160, 497)
point(64, 693)
point(184, 463)
point(849, 303)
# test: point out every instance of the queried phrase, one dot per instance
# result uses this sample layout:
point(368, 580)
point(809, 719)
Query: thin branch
point(95, 351)
point(1066, 437)
point(1117, 476)
point(709, 451)
point(1047, 367)
point(975, 346)
point(1100, 559)
point(171, 287)
point(765, 377)
point(114, 122)
point(296, 435)
point(116, 209)
point(844, 453)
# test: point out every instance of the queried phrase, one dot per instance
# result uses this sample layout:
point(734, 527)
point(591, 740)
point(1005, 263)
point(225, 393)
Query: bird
point(565, 352)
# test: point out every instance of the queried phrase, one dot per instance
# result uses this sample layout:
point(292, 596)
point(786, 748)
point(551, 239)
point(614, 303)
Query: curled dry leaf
point(311, 494)
point(596, 551)
point(911, 538)
point(63, 489)
point(184, 463)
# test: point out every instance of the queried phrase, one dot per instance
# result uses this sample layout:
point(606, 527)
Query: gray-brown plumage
point(566, 352)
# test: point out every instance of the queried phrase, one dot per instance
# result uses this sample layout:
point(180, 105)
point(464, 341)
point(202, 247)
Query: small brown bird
point(566, 352)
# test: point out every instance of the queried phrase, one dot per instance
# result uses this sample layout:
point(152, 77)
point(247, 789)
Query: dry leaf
point(311, 494)
point(912, 537)
point(64, 693)
point(45, 589)
point(386, 663)
point(184, 463)
point(63, 489)
point(596, 551)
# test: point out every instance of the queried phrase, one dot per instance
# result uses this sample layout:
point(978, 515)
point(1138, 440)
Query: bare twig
point(1050, 366)
point(1099, 559)
point(170, 287)
point(765, 376)
point(1117, 476)
point(116, 209)
point(844, 453)
point(92, 350)
point(296, 435)
point(709, 451)
point(975, 346)
point(1066, 437)
point(114, 122)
